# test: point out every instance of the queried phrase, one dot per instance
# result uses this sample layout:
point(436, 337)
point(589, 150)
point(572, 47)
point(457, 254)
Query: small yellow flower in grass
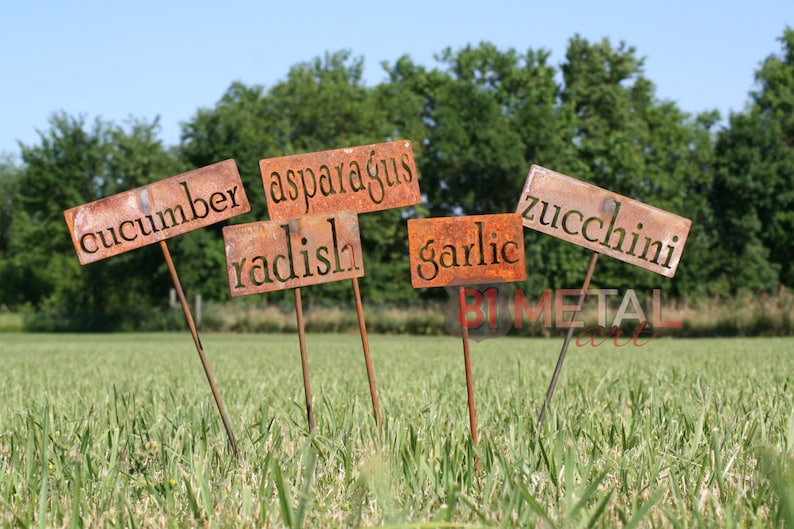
point(50, 466)
point(346, 507)
point(172, 482)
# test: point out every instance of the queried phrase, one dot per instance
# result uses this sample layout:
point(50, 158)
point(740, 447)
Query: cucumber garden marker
point(154, 213)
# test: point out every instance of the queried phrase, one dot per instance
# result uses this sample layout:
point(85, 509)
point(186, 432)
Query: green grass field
point(122, 431)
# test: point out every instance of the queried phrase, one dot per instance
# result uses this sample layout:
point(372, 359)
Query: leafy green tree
point(740, 190)
point(754, 182)
point(624, 139)
point(323, 104)
point(74, 164)
point(472, 155)
point(9, 175)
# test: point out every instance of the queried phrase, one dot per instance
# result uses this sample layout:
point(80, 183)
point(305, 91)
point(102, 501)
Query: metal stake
point(307, 390)
point(567, 340)
point(464, 333)
point(192, 326)
point(362, 327)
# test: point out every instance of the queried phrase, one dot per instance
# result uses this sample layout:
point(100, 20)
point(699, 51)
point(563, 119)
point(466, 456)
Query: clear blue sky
point(163, 58)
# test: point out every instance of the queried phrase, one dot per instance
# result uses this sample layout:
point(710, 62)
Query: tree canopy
point(477, 120)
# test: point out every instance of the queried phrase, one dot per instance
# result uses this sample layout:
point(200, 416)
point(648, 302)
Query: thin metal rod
point(568, 336)
point(362, 327)
point(194, 332)
point(307, 390)
point(464, 333)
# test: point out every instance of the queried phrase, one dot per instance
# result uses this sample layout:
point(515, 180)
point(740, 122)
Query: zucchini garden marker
point(602, 221)
point(154, 213)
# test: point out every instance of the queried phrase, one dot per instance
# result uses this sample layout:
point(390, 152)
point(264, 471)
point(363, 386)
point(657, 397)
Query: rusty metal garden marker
point(154, 213)
point(464, 334)
point(458, 251)
point(358, 179)
point(602, 221)
point(293, 253)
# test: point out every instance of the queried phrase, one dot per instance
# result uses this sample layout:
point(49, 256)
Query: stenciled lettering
point(484, 251)
point(317, 253)
point(128, 230)
point(367, 178)
point(611, 234)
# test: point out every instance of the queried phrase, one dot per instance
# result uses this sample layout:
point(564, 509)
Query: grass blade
point(287, 515)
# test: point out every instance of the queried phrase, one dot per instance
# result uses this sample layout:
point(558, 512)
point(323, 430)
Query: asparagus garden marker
point(275, 255)
point(154, 213)
point(457, 251)
point(359, 179)
point(604, 222)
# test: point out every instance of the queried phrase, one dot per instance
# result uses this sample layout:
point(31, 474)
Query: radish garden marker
point(276, 255)
point(357, 179)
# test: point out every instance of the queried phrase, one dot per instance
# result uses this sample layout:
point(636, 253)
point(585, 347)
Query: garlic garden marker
point(458, 251)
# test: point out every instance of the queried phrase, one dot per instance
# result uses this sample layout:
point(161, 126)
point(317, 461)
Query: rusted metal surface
point(292, 253)
point(200, 348)
point(469, 378)
point(307, 388)
point(450, 251)
point(156, 212)
point(362, 327)
point(359, 179)
point(603, 221)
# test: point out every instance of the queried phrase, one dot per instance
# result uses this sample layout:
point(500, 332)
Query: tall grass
point(742, 315)
point(10, 322)
point(121, 430)
point(257, 318)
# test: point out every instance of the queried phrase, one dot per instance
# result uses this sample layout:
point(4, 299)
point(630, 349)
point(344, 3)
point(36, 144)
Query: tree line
point(477, 121)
